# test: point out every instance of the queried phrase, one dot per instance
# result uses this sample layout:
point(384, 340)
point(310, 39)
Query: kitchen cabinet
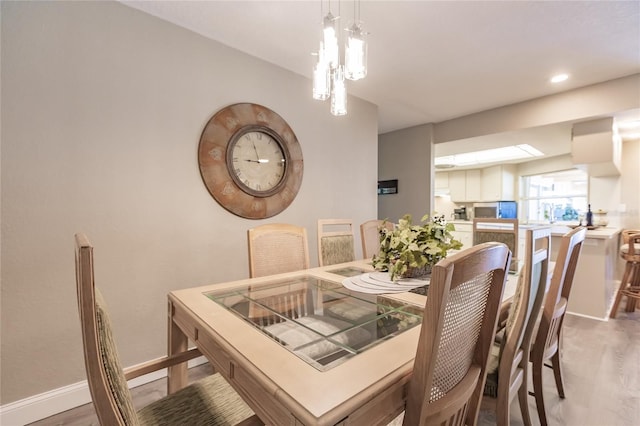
point(498, 183)
point(474, 185)
point(463, 233)
point(441, 180)
point(465, 185)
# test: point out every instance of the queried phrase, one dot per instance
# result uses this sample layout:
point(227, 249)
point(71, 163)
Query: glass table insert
point(319, 321)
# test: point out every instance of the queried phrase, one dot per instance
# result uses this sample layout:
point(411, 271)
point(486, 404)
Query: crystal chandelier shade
point(330, 38)
point(355, 54)
point(321, 77)
point(339, 93)
point(329, 72)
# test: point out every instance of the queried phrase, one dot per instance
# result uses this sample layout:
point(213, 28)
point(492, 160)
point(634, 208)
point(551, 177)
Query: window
point(555, 197)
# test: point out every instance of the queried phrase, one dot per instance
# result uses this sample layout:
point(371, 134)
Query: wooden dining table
point(300, 348)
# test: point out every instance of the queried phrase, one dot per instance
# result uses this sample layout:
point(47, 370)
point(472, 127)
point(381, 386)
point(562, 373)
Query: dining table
point(331, 345)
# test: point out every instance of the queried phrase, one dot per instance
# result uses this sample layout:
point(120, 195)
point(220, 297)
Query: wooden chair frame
point(548, 341)
point(516, 343)
point(482, 234)
point(277, 248)
point(630, 282)
point(109, 410)
point(460, 405)
point(370, 236)
point(104, 402)
point(344, 229)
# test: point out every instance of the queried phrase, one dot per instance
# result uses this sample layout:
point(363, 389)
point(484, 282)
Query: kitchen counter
point(601, 233)
point(595, 281)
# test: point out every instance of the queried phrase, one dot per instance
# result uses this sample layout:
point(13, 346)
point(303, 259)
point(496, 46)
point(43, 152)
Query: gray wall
point(406, 155)
point(102, 110)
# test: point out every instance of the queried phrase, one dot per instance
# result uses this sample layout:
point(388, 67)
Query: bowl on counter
point(600, 218)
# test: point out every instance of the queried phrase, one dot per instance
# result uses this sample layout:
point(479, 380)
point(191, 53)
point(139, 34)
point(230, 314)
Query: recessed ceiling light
point(559, 78)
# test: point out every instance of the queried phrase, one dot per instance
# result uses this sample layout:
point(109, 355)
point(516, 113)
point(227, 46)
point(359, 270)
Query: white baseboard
point(38, 407)
point(589, 316)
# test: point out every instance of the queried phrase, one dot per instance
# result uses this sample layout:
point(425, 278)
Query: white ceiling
point(431, 61)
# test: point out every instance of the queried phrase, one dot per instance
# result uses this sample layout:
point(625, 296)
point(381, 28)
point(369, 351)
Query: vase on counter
point(589, 216)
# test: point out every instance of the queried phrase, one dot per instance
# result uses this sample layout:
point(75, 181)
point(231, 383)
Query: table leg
point(177, 376)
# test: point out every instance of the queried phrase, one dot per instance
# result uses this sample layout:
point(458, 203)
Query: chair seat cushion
point(337, 249)
point(491, 385)
point(210, 401)
point(624, 251)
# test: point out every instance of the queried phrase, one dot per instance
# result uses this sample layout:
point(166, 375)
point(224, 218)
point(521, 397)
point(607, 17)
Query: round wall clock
point(250, 160)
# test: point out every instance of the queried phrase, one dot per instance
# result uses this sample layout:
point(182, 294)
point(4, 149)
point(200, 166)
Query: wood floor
point(601, 363)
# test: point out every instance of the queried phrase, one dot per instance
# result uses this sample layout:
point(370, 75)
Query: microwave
point(496, 209)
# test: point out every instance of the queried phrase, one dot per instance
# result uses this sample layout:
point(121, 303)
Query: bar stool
point(630, 284)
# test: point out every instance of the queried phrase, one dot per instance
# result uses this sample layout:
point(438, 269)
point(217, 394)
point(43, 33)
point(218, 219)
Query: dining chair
point(335, 241)
point(630, 283)
point(276, 248)
point(509, 358)
point(457, 331)
point(499, 230)
point(210, 401)
point(370, 236)
point(548, 341)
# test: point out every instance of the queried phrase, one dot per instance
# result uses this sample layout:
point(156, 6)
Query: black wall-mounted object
point(387, 187)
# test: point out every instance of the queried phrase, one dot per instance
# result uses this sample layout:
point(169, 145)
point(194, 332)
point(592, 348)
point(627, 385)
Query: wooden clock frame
point(216, 170)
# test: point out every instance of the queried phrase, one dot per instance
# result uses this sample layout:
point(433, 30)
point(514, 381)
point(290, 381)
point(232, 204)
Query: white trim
point(46, 404)
point(589, 316)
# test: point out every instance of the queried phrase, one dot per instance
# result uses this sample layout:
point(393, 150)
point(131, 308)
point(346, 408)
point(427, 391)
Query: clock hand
point(255, 149)
point(261, 160)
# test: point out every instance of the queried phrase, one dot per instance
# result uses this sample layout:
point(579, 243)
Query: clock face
point(250, 160)
point(257, 161)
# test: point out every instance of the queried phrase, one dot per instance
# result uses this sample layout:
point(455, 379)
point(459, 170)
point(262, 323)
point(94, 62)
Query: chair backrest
point(370, 236)
point(109, 391)
point(277, 248)
point(555, 305)
point(630, 242)
point(524, 310)
point(498, 230)
point(457, 330)
point(335, 241)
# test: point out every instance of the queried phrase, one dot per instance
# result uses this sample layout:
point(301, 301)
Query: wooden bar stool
point(630, 283)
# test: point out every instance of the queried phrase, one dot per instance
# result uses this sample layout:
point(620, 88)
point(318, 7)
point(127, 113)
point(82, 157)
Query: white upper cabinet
point(465, 185)
point(474, 185)
point(441, 180)
point(494, 183)
point(498, 183)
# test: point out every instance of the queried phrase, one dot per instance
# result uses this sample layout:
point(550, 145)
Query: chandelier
point(329, 73)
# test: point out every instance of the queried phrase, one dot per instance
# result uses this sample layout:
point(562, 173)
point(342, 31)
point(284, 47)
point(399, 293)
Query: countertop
point(559, 230)
point(461, 222)
point(602, 233)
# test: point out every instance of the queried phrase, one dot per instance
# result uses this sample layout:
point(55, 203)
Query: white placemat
point(379, 283)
